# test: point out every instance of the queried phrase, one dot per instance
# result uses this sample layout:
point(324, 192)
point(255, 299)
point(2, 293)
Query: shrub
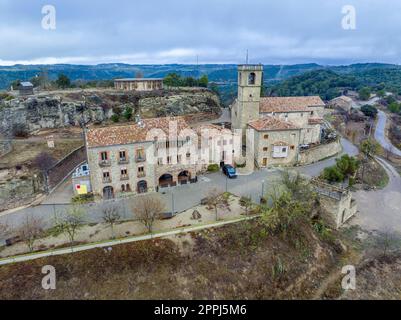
point(19, 130)
point(369, 111)
point(115, 118)
point(128, 113)
point(83, 198)
point(213, 168)
point(332, 174)
point(242, 165)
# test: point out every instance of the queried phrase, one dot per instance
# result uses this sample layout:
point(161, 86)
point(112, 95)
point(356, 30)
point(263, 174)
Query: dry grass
point(239, 261)
point(25, 151)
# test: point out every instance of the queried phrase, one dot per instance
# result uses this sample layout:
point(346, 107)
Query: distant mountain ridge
point(226, 73)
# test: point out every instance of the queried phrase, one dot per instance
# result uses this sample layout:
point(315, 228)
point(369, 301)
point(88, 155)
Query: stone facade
point(143, 157)
point(337, 202)
point(122, 169)
point(288, 122)
point(246, 107)
point(270, 146)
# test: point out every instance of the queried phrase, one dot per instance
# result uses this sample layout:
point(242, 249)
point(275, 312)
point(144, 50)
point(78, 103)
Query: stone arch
point(108, 193)
point(184, 177)
point(166, 180)
point(142, 186)
point(252, 78)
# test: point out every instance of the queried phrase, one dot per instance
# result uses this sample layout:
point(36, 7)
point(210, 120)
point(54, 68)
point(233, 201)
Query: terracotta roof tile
point(131, 133)
point(315, 120)
point(272, 124)
point(289, 104)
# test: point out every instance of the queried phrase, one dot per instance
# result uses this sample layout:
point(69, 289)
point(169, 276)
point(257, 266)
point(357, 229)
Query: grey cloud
point(175, 31)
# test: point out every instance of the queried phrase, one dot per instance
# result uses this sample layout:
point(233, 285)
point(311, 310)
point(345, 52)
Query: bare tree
point(71, 222)
point(111, 216)
point(30, 231)
point(387, 241)
point(217, 200)
point(246, 203)
point(148, 209)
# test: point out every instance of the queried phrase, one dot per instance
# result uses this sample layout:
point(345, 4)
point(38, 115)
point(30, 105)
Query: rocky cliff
point(69, 108)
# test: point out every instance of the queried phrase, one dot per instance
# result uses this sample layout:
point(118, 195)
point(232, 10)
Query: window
point(140, 155)
point(104, 156)
point(280, 152)
point(265, 149)
point(169, 160)
point(251, 78)
point(311, 113)
point(106, 174)
point(124, 172)
point(123, 155)
point(160, 161)
point(188, 155)
point(179, 158)
point(292, 147)
point(266, 136)
point(141, 171)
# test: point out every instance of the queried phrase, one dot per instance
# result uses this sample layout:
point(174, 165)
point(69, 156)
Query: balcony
point(140, 159)
point(104, 163)
point(123, 161)
point(106, 180)
point(141, 175)
point(124, 177)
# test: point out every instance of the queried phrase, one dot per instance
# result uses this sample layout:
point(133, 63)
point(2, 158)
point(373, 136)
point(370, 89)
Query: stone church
point(280, 124)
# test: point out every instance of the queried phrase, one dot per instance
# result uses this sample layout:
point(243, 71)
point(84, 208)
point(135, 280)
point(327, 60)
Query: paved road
point(381, 210)
point(182, 197)
point(380, 134)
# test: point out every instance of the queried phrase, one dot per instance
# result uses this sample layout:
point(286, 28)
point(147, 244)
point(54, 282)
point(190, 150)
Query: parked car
point(304, 146)
point(167, 215)
point(229, 171)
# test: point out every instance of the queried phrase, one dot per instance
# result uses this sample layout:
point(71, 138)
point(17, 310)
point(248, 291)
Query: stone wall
point(319, 152)
point(64, 167)
point(18, 188)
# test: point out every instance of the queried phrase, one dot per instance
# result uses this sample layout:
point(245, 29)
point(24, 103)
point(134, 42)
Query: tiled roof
point(132, 133)
point(272, 124)
point(289, 104)
point(315, 120)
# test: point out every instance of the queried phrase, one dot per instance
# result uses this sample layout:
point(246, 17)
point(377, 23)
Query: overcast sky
point(218, 31)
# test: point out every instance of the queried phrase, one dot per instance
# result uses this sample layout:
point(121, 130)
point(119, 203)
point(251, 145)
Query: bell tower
point(246, 108)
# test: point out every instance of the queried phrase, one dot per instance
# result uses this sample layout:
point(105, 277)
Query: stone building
point(152, 154)
point(337, 202)
point(280, 124)
point(343, 102)
point(138, 84)
point(25, 88)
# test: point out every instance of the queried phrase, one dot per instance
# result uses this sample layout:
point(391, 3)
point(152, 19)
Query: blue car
point(229, 171)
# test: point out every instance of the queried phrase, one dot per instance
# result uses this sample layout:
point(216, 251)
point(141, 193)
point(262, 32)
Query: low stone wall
point(64, 167)
point(320, 152)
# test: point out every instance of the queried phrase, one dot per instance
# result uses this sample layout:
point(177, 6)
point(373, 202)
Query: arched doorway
point(142, 186)
point(108, 193)
point(184, 177)
point(166, 180)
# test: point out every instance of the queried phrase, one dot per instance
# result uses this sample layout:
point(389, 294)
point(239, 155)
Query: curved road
point(380, 210)
point(380, 134)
